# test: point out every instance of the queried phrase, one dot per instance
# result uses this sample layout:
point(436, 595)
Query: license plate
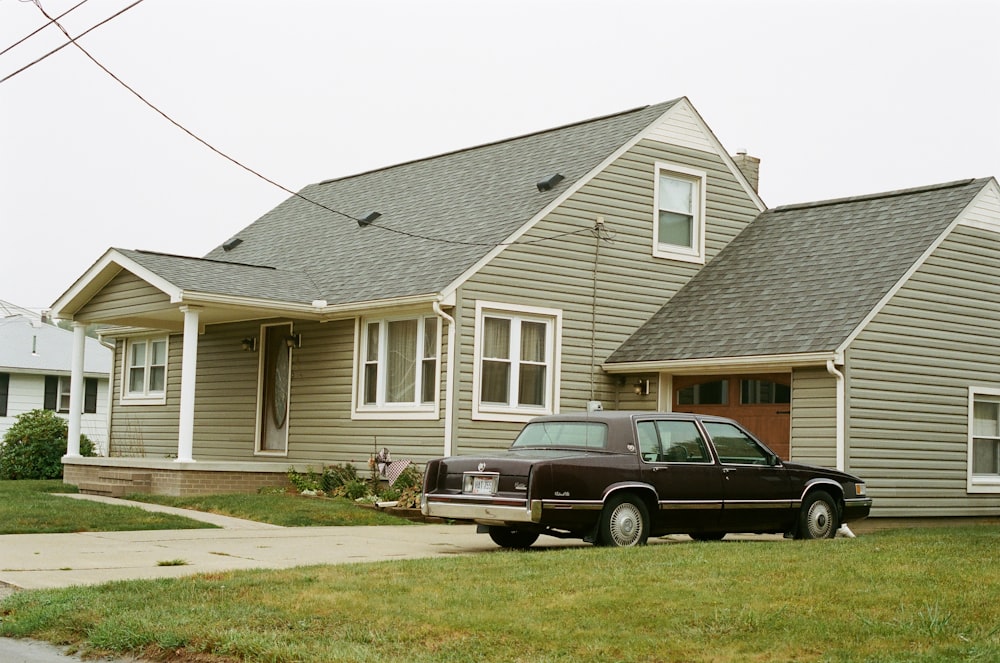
point(484, 485)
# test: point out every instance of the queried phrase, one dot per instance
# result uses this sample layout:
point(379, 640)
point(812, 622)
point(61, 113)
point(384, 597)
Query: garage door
point(761, 403)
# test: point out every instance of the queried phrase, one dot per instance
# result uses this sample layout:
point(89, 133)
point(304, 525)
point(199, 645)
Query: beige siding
point(814, 425)
point(630, 286)
point(909, 373)
point(146, 431)
point(125, 294)
point(321, 430)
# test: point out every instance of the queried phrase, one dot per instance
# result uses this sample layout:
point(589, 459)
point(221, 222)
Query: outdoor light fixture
point(294, 340)
point(547, 184)
point(249, 344)
point(642, 388)
point(231, 244)
point(368, 219)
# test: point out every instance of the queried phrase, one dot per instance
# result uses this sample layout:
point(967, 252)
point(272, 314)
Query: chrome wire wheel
point(626, 525)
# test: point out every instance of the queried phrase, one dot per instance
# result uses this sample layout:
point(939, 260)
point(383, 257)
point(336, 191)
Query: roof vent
point(232, 244)
point(368, 219)
point(547, 184)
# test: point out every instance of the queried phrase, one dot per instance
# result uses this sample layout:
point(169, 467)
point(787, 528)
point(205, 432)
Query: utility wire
point(29, 36)
point(250, 170)
point(71, 40)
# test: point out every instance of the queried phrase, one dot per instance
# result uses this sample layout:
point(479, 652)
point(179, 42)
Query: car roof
point(617, 416)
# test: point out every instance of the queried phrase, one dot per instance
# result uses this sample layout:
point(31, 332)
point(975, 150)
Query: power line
point(71, 40)
point(29, 36)
point(250, 170)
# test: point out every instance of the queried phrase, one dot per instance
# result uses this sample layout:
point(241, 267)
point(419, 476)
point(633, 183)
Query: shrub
point(34, 446)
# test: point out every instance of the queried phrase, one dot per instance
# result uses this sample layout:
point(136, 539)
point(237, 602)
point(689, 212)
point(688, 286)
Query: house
point(429, 308)
point(35, 372)
point(860, 334)
point(625, 262)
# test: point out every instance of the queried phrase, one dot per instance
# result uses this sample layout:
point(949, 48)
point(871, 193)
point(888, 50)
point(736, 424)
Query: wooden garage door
point(761, 403)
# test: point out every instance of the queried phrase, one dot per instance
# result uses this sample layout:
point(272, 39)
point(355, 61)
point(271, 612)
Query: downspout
point(449, 379)
point(841, 425)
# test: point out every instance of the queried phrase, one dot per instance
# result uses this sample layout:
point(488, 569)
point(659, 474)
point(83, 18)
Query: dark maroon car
point(616, 478)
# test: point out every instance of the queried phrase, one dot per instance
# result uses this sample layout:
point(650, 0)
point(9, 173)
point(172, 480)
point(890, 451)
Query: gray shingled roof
point(466, 202)
point(800, 278)
point(235, 279)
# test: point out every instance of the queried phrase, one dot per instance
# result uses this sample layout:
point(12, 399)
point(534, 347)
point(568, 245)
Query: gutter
point(841, 399)
point(449, 379)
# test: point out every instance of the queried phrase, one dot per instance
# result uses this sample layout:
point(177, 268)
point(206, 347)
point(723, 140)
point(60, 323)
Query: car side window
point(734, 446)
point(649, 445)
point(682, 443)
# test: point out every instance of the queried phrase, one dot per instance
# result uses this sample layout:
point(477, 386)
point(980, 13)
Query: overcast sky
point(836, 98)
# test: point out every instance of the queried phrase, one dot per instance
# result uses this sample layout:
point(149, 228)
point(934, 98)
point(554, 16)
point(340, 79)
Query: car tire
point(624, 522)
point(707, 536)
point(818, 518)
point(506, 537)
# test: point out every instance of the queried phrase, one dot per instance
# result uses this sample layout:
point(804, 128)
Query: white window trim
point(126, 398)
point(671, 252)
point(552, 318)
point(979, 483)
point(392, 411)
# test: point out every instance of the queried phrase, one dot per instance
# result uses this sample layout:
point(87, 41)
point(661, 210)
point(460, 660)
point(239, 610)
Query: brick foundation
point(167, 481)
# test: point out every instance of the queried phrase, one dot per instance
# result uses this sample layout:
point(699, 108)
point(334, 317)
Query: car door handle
point(657, 468)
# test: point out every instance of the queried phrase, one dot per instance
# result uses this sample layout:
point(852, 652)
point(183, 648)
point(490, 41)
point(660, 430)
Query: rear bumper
point(856, 508)
point(464, 508)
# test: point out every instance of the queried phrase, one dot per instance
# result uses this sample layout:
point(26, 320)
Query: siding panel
point(910, 371)
point(630, 283)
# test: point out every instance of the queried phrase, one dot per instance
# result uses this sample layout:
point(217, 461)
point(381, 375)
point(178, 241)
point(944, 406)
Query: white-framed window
point(398, 367)
point(63, 393)
point(144, 378)
point(984, 440)
point(679, 213)
point(517, 354)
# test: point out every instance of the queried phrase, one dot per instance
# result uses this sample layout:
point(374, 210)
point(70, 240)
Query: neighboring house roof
point(28, 345)
point(439, 216)
point(800, 278)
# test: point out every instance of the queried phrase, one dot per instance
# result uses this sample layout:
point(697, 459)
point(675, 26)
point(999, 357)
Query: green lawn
point(30, 507)
point(897, 595)
point(280, 509)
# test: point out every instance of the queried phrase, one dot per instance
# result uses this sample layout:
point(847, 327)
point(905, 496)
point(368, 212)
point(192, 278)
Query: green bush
point(34, 446)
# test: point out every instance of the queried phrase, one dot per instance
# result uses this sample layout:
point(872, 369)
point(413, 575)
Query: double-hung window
point(517, 362)
point(399, 365)
point(679, 223)
point(145, 378)
point(984, 441)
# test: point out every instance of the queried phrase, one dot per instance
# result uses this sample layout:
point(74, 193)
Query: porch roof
point(799, 279)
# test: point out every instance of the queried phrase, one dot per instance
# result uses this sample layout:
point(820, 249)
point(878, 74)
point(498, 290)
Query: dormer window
point(679, 225)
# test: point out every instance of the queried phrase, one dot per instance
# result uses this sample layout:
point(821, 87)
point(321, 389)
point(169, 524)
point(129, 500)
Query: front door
point(273, 389)
point(761, 403)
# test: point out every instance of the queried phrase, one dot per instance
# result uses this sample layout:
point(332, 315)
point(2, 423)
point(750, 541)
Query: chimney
point(749, 166)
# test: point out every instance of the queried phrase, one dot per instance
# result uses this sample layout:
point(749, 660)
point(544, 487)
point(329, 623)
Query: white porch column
point(189, 367)
point(76, 390)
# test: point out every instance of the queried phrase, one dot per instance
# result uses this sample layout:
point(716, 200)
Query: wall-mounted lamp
point(249, 344)
point(642, 388)
point(294, 340)
point(368, 219)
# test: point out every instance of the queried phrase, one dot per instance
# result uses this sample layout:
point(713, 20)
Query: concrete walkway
point(35, 561)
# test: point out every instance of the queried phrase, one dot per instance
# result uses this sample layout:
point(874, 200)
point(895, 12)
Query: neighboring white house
point(35, 368)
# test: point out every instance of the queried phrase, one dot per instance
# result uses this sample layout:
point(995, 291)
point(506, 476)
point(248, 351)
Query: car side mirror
point(773, 461)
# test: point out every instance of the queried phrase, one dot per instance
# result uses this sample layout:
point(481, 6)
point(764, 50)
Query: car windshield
point(574, 434)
